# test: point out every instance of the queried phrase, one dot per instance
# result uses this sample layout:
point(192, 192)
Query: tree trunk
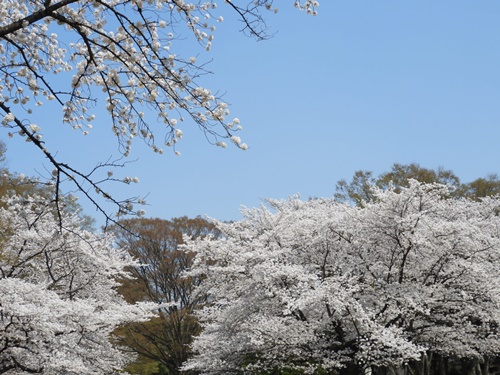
point(486, 365)
point(440, 365)
point(422, 367)
point(471, 367)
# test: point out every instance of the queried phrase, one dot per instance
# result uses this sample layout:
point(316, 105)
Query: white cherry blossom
point(123, 54)
point(58, 299)
point(321, 285)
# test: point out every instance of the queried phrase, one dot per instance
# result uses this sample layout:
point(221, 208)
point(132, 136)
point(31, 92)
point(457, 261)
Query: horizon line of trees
point(359, 189)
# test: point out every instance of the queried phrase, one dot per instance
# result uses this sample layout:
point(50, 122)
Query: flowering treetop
point(321, 285)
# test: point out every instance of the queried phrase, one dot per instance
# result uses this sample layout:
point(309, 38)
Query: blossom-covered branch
point(77, 54)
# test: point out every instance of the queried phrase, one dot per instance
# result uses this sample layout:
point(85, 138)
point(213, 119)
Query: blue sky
point(363, 85)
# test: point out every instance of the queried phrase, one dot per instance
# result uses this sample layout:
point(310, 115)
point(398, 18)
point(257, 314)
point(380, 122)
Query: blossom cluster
point(124, 49)
point(319, 285)
point(58, 299)
point(120, 58)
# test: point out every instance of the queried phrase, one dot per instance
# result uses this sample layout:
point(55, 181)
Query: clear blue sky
point(361, 86)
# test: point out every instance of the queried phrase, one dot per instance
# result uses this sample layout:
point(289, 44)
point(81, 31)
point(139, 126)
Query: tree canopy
point(361, 187)
point(410, 280)
point(58, 297)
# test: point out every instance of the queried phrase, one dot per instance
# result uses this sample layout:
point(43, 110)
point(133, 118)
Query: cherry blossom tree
point(431, 264)
point(322, 287)
point(58, 298)
point(73, 54)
